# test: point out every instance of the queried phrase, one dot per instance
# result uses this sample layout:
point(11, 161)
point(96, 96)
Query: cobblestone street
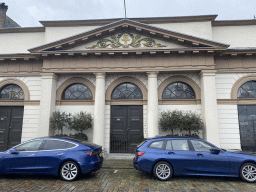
point(124, 178)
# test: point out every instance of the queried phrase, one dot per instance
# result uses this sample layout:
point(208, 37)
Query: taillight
point(91, 153)
point(140, 153)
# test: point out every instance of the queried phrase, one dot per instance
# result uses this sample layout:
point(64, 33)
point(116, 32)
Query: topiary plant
point(178, 120)
point(58, 120)
point(80, 122)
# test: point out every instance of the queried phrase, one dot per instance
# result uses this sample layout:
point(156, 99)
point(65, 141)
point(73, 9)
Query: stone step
point(117, 164)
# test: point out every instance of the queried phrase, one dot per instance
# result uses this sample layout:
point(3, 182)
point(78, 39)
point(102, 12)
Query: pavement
point(118, 175)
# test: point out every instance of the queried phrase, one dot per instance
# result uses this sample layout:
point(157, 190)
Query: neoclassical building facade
point(125, 72)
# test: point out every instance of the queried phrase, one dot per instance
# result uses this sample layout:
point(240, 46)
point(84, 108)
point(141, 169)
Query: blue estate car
point(168, 156)
point(65, 156)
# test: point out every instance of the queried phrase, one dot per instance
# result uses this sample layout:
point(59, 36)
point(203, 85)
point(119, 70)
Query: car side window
point(30, 146)
point(201, 146)
point(70, 145)
point(168, 145)
point(157, 145)
point(180, 145)
point(54, 145)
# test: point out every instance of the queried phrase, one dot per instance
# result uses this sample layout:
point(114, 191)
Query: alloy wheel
point(163, 171)
point(249, 172)
point(69, 171)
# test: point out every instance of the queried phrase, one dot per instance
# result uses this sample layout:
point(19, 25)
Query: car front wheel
point(69, 171)
point(163, 171)
point(248, 172)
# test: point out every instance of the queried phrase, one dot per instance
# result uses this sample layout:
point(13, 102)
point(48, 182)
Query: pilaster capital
point(100, 75)
point(152, 74)
point(207, 73)
point(49, 76)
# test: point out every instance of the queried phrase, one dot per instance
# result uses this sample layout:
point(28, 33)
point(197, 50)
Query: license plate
point(101, 154)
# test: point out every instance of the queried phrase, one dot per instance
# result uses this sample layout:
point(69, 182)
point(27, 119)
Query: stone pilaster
point(99, 110)
point(209, 106)
point(47, 103)
point(152, 105)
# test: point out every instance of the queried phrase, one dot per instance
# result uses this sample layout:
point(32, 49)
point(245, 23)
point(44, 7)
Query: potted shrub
point(178, 120)
point(80, 122)
point(170, 120)
point(58, 121)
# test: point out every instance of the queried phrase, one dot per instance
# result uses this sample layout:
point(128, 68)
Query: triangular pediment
point(127, 34)
point(126, 39)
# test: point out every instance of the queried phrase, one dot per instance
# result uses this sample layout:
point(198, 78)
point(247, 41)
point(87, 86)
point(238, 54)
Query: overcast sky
point(28, 13)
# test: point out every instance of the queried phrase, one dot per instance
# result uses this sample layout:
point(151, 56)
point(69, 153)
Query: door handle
point(171, 153)
point(60, 154)
point(31, 155)
point(200, 155)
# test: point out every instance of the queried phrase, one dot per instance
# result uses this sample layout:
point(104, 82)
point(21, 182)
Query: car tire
point(163, 171)
point(248, 172)
point(69, 171)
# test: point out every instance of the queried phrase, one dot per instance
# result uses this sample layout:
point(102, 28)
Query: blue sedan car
point(66, 157)
point(168, 156)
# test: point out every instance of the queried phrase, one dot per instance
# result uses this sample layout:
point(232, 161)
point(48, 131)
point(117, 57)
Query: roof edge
point(234, 22)
point(149, 20)
point(22, 30)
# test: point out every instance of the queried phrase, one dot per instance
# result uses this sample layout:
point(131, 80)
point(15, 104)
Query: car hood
point(241, 152)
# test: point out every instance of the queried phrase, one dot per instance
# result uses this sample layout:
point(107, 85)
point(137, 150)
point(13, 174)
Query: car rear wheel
point(248, 172)
point(69, 171)
point(163, 171)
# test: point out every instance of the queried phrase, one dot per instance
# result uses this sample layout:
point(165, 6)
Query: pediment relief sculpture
point(126, 40)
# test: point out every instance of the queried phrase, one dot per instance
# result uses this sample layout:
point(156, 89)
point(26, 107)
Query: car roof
point(66, 138)
point(171, 137)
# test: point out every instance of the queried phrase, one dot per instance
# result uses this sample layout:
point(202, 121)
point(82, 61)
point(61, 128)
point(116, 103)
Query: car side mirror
point(13, 151)
point(215, 150)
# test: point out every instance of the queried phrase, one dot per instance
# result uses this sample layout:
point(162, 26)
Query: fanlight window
point(127, 91)
point(178, 90)
point(77, 91)
point(12, 91)
point(247, 90)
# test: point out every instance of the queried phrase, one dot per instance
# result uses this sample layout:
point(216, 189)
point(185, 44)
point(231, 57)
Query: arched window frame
point(237, 85)
point(67, 88)
point(128, 79)
point(184, 91)
point(184, 79)
point(13, 93)
point(21, 84)
point(131, 91)
point(69, 82)
point(242, 87)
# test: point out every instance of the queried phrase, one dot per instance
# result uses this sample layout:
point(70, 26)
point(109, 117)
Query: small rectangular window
point(169, 145)
point(157, 145)
point(180, 145)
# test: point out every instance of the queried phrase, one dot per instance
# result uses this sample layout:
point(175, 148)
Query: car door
point(179, 154)
point(24, 160)
point(50, 155)
point(208, 162)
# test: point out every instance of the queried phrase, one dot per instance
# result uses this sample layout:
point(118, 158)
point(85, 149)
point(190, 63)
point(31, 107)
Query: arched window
point(127, 91)
point(247, 90)
point(178, 90)
point(77, 91)
point(11, 91)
